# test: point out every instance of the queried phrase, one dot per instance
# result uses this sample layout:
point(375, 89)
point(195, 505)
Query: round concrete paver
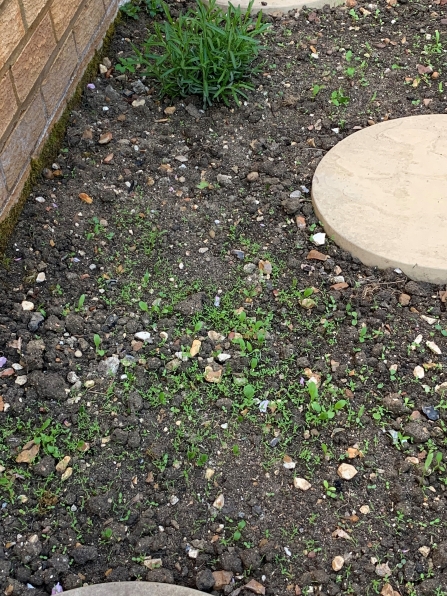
point(277, 6)
point(381, 194)
point(134, 589)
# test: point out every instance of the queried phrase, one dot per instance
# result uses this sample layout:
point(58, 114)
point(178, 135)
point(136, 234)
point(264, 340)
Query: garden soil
point(194, 389)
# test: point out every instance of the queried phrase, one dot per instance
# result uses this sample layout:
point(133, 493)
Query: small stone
point(364, 509)
point(138, 103)
point(417, 432)
point(213, 376)
point(387, 590)
point(41, 277)
point(27, 305)
point(291, 205)
point(288, 464)
point(425, 551)
point(223, 357)
point(89, 384)
point(404, 299)
point(219, 502)
point(301, 483)
point(337, 563)
point(143, 336)
point(252, 176)
point(66, 475)
point(433, 347)
point(383, 570)
point(195, 348)
point(105, 138)
point(418, 372)
point(72, 378)
point(429, 320)
point(346, 471)
point(152, 563)
point(63, 464)
point(205, 580)
point(255, 587)
point(169, 110)
point(431, 413)
point(36, 320)
point(319, 239)
point(209, 473)
point(109, 366)
point(224, 179)
point(21, 380)
point(222, 579)
point(249, 268)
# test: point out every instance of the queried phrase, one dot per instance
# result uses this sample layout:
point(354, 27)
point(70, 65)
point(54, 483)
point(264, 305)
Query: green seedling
point(238, 532)
point(338, 98)
point(330, 491)
point(143, 306)
point(97, 341)
point(323, 413)
point(316, 89)
point(80, 303)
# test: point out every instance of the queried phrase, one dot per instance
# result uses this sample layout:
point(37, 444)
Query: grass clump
point(203, 52)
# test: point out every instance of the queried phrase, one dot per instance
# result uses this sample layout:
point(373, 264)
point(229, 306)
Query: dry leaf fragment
point(169, 111)
point(108, 158)
point(105, 138)
point(26, 456)
point(84, 197)
point(316, 255)
point(255, 587)
point(340, 286)
point(352, 452)
point(339, 533)
point(424, 69)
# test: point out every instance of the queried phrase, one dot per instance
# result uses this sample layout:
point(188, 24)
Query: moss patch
point(53, 144)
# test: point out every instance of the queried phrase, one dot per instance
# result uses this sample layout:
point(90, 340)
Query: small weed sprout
point(80, 303)
point(97, 340)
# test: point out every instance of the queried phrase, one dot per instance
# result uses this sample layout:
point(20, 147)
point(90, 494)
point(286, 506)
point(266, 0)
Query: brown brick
point(59, 77)
point(32, 8)
point(22, 140)
point(62, 11)
point(33, 58)
point(11, 28)
point(87, 23)
point(3, 193)
point(8, 104)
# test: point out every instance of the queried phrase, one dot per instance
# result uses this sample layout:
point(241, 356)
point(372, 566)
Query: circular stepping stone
point(275, 7)
point(134, 589)
point(381, 194)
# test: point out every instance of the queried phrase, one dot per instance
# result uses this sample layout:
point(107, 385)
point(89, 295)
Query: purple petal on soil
point(216, 301)
point(263, 406)
point(54, 205)
point(301, 381)
point(76, 260)
point(2, 361)
point(91, 86)
point(57, 589)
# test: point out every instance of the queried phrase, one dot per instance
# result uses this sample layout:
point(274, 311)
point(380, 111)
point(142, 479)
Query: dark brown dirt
point(153, 443)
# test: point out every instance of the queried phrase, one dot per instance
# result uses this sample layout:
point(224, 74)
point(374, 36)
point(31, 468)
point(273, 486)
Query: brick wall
point(45, 46)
